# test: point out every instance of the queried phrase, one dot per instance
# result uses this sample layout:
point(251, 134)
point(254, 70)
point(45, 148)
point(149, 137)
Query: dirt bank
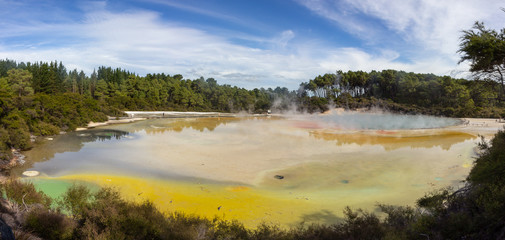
point(109, 122)
point(486, 127)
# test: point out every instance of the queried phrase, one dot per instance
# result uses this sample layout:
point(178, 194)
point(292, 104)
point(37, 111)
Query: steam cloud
point(383, 121)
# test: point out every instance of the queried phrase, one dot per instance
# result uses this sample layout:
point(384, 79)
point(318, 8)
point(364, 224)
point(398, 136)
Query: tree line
point(414, 92)
point(117, 89)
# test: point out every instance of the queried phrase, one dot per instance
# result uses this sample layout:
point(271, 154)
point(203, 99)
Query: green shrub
point(19, 134)
point(24, 193)
point(269, 231)
point(106, 215)
point(45, 129)
point(20, 139)
point(76, 200)
point(228, 230)
point(313, 232)
point(490, 166)
point(5, 150)
point(50, 225)
point(360, 225)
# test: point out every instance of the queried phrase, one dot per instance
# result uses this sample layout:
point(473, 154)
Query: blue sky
point(260, 43)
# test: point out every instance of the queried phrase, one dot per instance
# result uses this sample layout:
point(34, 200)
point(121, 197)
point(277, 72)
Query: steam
point(381, 121)
point(285, 106)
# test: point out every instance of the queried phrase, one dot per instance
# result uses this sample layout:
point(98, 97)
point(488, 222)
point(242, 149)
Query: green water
point(55, 188)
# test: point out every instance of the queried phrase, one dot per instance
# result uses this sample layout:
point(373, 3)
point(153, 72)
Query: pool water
point(229, 167)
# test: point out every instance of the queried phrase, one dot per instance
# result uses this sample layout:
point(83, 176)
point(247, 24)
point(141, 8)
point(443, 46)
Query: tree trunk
point(502, 86)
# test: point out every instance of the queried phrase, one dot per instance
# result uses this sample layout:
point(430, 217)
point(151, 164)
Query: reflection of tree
point(197, 124)
point(102, 135)
point(69, 142)
point(443, 139)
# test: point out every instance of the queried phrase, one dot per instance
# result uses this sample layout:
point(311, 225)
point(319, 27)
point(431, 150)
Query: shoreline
point(109, 122)
point(480, 126)
point(486, 127)
point(134, 116)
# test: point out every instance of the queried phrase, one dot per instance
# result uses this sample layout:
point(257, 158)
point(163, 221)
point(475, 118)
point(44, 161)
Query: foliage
point(44, 129)
point(76, 200)
point(19, 136)
point(49, 224)
point(19, 81)
point(111, 91)
point(475, 211)
point(485, 49)
point(422, 93)
point(24, 193)
point(490, 167)
point(5, 151)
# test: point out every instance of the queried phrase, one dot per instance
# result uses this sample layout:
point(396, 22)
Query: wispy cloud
point(428, 24)
point(214, 13)
point(144, 42)
point(189, 8)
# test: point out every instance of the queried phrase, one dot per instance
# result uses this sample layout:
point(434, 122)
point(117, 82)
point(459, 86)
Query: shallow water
point(226, 167)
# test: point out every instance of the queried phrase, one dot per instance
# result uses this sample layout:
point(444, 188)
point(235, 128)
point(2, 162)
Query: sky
point(245, 43)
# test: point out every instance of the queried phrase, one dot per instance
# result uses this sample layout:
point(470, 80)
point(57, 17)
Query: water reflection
point(392, 140)
point(69, 142)
point(158, 126)
point(100, 135)
point(178, 125)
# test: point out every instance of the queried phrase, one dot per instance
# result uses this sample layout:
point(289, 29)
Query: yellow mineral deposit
point(249, 205)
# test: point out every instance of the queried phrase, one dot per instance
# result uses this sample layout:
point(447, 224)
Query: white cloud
point(198, 10)
point(141, 41)
point(426, 27)
point(284, 38)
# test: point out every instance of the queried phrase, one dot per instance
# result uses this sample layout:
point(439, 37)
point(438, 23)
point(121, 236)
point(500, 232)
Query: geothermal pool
point(278, 169)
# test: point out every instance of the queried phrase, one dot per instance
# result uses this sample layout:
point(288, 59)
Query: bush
point(48, 224)
point(266, 231)
point(360, 225)
point(106, 215)
point(19, 134)
point(20, 139)
point(24, 193)
point(490, 166)
point(5, 150)
point(314, 232)
point(45, 129)
point(76, 200)
point(228, 230)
